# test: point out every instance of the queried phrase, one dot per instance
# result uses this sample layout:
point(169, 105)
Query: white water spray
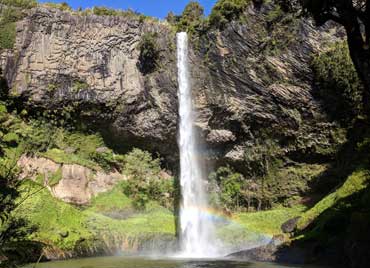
point(197, 236)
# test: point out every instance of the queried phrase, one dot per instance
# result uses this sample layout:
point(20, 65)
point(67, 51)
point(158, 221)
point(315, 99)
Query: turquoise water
point(145, 262)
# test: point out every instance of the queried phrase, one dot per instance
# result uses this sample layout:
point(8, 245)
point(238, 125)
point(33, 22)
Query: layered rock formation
point(88, 65)
point(252, 83)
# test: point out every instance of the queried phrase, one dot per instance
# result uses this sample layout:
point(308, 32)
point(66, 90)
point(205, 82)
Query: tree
point(191, 17)
point(172, 18)
point(227, 10)
point(354, 15)
point(193, 11)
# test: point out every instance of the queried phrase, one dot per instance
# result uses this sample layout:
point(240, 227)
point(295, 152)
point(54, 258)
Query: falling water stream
point(197, 235)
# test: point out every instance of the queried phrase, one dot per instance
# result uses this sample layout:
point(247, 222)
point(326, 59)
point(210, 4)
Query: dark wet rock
point(290, 225)
point(275, 251)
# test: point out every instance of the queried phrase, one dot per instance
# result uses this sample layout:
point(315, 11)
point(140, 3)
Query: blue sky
point(156, 8)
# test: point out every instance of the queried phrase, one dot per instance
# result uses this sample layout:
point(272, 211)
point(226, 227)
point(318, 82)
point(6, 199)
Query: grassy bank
point(66, 227)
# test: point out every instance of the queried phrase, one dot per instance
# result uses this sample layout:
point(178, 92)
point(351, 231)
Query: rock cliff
point(252, 83)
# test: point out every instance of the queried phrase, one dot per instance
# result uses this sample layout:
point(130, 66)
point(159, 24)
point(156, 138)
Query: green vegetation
point(111, 215)
point(191, 18)
point(7, 35)
point(358, 33)
point(105, 11)
point(62, 157)
point(149, 53)
point(14, 244)
point(268, 222)
point(66, 227)
point(61, 6)
point(230, 186)
point(145, 181)
point(256, 226)
point(20, 3)
point(112, 201)
point(356, 182)
point(338, 83)
point(9, 15)
point(79, 85)
point(277, 185)
point(55, 178)
point(58, 223)
point(227, 10)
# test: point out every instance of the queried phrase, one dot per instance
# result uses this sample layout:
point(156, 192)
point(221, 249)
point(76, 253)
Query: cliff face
point(255, 86)
point(252, 83)
point(87, 65)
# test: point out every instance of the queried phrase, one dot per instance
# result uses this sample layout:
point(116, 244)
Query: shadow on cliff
point(346, 160)
point(339, 236)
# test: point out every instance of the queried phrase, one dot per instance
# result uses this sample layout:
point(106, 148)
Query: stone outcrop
point(75, 184)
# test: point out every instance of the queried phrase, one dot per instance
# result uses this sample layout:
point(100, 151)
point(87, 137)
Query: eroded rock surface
point(73, 184)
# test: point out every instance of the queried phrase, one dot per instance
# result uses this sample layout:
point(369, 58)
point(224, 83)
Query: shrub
point(172, 18)
point(141, 164)
point(230, 184)
point(8, 17)
point(191, 17)
point(149, 53)
point(20, 3)
point(61, 6)
point(79, 86)
point(107, 159)
point(338, 84)
point(104, 11)
point(226, 10)
point(145, 182)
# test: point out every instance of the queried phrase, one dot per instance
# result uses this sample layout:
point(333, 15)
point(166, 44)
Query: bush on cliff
point(11, 13)
point(8, 17)
point(227, 10)
point(61, 6)
point(191, 18)
point(20, 3)
point(338, 84)
point(149, 53)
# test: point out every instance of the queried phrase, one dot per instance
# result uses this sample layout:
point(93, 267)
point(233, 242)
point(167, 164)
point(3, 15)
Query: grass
point(61, 157)
point(356, 182)
point(141, 225)
point(268, 222)
point(55, 178)
point(114, 200)
point(66, 227)
point(54, 219)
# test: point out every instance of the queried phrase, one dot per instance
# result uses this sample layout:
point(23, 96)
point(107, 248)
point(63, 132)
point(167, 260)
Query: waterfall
point(197, 236)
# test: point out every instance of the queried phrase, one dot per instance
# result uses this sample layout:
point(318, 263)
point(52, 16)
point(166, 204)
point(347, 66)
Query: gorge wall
point(252, 83)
